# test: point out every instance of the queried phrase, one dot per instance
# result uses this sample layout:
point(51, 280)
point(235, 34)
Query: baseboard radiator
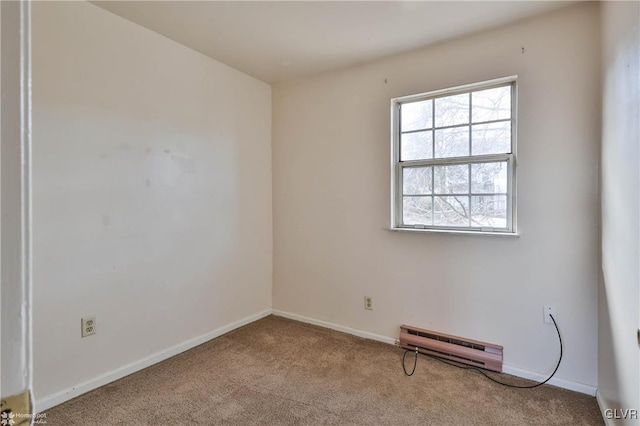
point(458, 349)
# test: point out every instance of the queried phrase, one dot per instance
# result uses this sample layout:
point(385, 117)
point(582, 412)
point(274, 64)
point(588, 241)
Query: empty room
point(320, 212)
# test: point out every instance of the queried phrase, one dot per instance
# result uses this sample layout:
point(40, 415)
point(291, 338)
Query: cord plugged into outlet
point(549, 310)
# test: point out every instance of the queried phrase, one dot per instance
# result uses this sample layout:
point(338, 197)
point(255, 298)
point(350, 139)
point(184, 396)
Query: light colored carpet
point(277, 371)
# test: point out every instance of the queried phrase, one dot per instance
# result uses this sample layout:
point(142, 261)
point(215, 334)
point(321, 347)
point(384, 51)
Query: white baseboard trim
point(561, 383)
point(514, 371)
point(44, 403)
point(602, 404)
point(332, 326)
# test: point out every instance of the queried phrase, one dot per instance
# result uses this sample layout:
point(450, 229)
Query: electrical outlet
point(547, 311)
point(88, 326)
point(368, 303)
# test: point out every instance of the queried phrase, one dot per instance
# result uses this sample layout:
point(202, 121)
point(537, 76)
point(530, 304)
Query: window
point(454, 159)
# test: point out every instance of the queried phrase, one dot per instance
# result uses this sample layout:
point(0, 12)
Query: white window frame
point(397, 166)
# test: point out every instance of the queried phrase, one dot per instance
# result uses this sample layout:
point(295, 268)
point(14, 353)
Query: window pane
point(451, 179)
point(451, 211)
point(452, 110)
point(416, 180)
point(452, 142)
point(416, 116)
point(491, 104)
point(494, 138)
point(416, 210)
point(416, 146)
point(489, 177)
point(489, 211)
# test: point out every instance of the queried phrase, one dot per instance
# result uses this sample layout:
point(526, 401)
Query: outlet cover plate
point(88, 326)
point(368, 303)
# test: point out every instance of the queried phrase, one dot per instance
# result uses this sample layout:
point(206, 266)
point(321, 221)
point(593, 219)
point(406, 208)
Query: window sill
point(456, 232)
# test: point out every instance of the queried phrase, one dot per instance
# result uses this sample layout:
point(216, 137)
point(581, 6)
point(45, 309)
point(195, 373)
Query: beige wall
point(619, 296)
point(152, 176)
point(331, 200)
point(152, 195)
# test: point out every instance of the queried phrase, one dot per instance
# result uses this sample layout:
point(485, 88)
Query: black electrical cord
point(483, 372)
point(415, 363)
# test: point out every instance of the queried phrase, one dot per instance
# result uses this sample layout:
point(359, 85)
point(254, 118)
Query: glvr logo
point(618, 413)
point(7, 419)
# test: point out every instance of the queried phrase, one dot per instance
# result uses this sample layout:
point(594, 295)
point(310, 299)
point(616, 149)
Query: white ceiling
point(283, 40)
